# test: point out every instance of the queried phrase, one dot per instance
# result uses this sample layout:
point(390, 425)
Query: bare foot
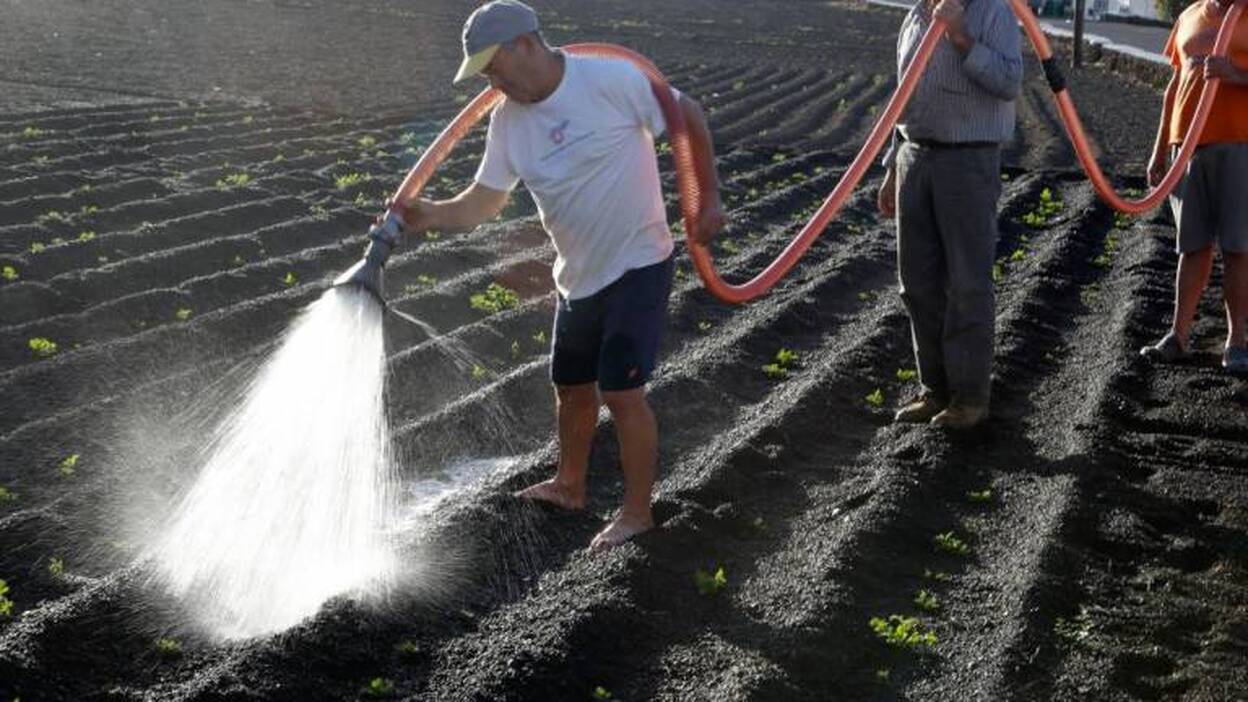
point(621, 529)
point(555, 493)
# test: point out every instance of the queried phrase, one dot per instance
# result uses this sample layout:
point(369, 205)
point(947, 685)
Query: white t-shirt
point(586, 153)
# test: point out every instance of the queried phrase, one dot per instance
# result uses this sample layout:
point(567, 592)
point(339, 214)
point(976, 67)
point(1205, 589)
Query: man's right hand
point(886, 198)
point(1157, 167)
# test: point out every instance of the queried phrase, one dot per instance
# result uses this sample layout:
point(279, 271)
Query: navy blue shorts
point(612, 336)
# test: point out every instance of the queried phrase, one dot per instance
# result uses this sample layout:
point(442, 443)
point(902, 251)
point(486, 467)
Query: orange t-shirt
point(1193, 35)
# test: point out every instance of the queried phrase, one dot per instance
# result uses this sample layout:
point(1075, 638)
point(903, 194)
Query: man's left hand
point(710, 221)
point(953, 13)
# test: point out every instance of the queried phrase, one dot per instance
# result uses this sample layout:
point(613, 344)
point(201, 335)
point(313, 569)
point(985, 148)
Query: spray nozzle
point(383, 237)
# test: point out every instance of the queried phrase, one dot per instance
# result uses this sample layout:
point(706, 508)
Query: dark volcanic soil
point(1104, 506)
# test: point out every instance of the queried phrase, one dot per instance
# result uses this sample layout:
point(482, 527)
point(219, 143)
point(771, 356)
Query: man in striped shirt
point(942, 185)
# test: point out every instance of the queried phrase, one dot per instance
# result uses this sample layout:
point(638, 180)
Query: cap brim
point(474, 64)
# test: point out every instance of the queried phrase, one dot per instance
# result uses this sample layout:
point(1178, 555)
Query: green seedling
point(234, 180)
point(423, 282)
point(926, 601)
point(998, 272)
point(69, 466)
point(432, 235)
point(480, 372)
point(937, 575)
point(407, 649)
point(905, 375)
point(290, 279)
point(775, 371)
point(903, 632)
point(881, 675)
point(318, 212)
point(710, 584)
point(379, 687)
point(779, 158)
point(9, 273)
point(948, 542)
point(980, 497)
point(729, 246)
point(866, 295)
point(539, 337)
point(7, 495)
point(52, 217)
point(1019, 254)
point(32, 132)
point(6, 605)
point(42, 347)
point(38, 247)
point(351, 180)
point(1108, 249)
point(1123, 220)
point(1048, 206)
point(738, 85)
point(367, 141)
point(88, 210)
point(86, 235)
point(602, 694)
point(704, 325)
point(496, 298)
point(1074, 630)
point(169, 648)
point(183, 314)
point(876, 398)
point(515, 349)
point(784, 361)
point(56, 567)
point(248, 119)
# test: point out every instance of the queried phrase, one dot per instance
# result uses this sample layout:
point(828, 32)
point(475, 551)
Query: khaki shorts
point(1210, 203)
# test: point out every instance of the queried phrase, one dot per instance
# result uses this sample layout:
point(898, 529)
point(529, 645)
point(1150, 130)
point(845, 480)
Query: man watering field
point(580, 133)
point(942, 185)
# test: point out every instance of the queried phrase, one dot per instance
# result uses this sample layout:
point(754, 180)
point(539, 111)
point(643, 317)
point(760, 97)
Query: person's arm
point(1160, 161)
point(711, 217)
point(995, 61)
point(471, 208)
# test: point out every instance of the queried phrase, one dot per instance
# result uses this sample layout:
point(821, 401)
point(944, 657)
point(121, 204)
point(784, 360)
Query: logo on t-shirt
point(556, 134)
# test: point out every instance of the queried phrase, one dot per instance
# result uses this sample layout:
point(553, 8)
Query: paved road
point(1137, 40)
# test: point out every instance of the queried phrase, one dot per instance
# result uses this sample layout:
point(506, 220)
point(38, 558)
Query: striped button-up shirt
point(962, 98)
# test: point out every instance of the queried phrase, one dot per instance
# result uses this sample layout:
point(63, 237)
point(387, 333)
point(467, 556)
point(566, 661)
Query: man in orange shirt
point(1210, 204)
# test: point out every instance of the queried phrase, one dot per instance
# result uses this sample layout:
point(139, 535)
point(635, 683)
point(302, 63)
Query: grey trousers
point(946, 242)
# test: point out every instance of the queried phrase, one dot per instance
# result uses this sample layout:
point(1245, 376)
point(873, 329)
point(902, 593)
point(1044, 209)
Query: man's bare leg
point(638, 434)
point(1189, 284)
point(1235, 291)
point(577, 412)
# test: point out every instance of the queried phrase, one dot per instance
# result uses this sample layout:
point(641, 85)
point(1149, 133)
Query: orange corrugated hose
point(691, 182)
